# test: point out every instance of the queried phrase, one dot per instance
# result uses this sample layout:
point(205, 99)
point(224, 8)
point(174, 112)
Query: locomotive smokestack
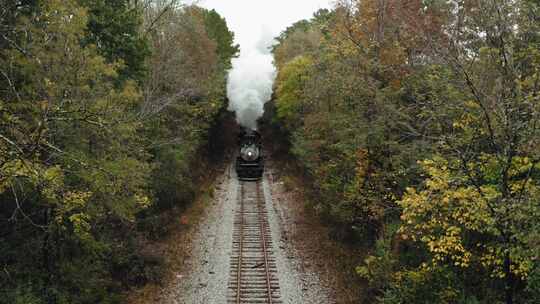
point(250, 82)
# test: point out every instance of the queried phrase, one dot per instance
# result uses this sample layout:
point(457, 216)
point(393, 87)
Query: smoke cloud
point(250, 82)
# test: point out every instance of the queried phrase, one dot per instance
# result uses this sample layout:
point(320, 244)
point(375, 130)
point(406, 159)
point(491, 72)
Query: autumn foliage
point(417, 122)
point(104, 108)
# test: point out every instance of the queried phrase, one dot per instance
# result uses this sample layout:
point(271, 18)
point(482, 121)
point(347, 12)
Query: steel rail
point(263, 240)
point(241, 245)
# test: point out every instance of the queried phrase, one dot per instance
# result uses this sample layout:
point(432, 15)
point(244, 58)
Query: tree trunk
point(509, 288)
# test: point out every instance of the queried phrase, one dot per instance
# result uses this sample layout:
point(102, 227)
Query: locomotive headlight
point(249, 153)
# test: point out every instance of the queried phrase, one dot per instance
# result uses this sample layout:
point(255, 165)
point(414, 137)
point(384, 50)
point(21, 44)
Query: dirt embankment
point(322, 260)
point(179, 246)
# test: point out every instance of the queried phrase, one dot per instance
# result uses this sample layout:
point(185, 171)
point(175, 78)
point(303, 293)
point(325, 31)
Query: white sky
point(252, 20)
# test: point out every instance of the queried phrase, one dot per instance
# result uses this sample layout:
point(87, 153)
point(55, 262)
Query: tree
point(217, 30)
point(69, 158)
point(423, 114)
point(479, 203)
point(114, 28)
point(292, 80)
point(97, 138)
point(184, 93)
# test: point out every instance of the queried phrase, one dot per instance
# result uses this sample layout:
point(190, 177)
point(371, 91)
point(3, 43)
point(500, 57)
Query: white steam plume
point(250, 82)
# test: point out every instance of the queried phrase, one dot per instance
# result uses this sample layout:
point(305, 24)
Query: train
point(250, 158)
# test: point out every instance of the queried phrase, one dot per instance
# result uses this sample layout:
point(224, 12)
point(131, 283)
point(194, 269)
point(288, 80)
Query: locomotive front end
point(250, 161)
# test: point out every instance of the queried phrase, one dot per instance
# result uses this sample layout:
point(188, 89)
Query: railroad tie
point(253, 271)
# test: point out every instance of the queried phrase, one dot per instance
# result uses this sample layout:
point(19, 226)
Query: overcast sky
point(253, 20)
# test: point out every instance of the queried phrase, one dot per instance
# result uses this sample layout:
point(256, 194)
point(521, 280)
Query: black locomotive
point(250, 160)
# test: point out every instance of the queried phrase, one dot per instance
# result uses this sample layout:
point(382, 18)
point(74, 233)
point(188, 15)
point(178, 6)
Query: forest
point(417, 125)
point(106, 108)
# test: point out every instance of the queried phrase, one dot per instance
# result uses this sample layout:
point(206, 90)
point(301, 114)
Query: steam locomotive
point(250, 160)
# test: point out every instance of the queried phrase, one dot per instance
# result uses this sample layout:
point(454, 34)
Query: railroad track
point(253, 269)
